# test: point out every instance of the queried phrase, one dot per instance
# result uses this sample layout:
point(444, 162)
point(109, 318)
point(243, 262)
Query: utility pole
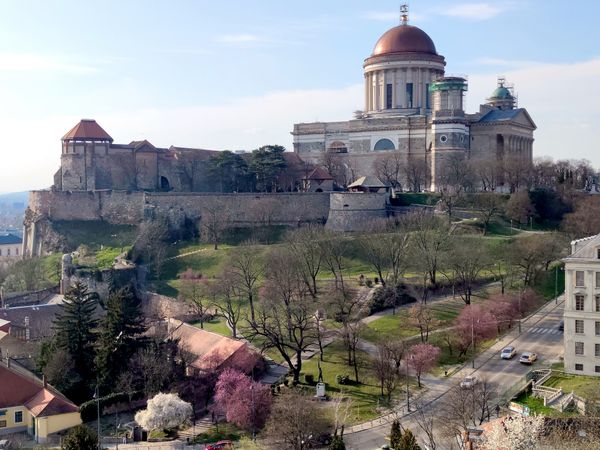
point(407, 394)
point(473, 337)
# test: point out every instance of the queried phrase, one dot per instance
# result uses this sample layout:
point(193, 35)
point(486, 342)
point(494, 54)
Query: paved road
point(539, 334)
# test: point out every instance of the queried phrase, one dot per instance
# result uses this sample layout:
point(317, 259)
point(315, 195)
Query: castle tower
point(449, 127)
point(85, 142)
point(400, 70)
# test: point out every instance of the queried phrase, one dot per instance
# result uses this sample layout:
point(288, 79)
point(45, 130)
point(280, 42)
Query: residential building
point(10, 247)
point(28, 404)
point(582, 307)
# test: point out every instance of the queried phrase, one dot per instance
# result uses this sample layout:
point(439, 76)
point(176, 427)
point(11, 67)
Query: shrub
point(369, 282)
point(342, 378)
point(309, 378)
point(80, 438)
point(388, 297)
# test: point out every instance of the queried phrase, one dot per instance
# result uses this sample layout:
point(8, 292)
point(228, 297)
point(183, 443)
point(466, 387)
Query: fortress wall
point(280, 208)
point(126, 207)
point(353, 211)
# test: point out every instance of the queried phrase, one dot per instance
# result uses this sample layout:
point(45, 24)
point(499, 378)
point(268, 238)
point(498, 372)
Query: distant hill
point(14, 197)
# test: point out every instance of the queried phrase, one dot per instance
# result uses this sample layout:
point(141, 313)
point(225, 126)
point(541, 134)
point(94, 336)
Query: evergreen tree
point(408, 441)
point(267, 163)
point(395, 435)
point(120, 335)
point(75, 333)
point(337, 442)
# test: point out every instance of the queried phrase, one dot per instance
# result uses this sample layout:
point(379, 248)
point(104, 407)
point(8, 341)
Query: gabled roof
point(8, 239)
point(506, 115)
point(370, 181)
point(87, 130)
point(205, 345)
point(143, 146)
point(319, 174)
point(585, 248)
point(21, 388)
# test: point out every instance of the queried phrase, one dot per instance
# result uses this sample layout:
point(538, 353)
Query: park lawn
point(366, 398)
point(216, 325)
point(389, 326)
point(536, 407)
point(224, 431)
point(579, 384)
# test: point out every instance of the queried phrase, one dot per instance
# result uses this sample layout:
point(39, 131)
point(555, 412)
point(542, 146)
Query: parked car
point(221, 445)
point(469, 382)
point(561, 325)
point(508, 352)
point(4, 444)
point(528, 358)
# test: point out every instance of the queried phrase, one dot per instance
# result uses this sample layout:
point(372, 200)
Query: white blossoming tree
point(164, 412)
point(514, 433)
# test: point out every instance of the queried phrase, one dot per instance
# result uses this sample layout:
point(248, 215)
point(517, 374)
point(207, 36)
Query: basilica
point(414, 112)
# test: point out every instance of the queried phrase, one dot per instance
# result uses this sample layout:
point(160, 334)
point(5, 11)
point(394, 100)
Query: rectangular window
point(0, 252)
point(598, 279)
point(598, 253)
point(2, 423)
point(597, 303)
point(596, 349)
point(409, 95)
point(17, 251)
point(388, 96)
point(427, 98)
point(579, 278)
point(579, 326)
point(2, 412)
point(579, 303)
point(579, 348)
point(597, 369)
point(578, 366)
point(18, 416)
point(597, 330)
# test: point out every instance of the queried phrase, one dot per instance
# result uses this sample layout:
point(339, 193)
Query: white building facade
point(582, 307)
point(10, 248)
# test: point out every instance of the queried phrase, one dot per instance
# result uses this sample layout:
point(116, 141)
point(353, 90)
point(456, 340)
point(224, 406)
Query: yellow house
point(28, 404)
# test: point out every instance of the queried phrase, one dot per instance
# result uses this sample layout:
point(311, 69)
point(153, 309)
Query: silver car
point(508, 352)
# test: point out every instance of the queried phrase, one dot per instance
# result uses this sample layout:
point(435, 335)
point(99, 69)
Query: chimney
point(8, 361)
point(44, 381)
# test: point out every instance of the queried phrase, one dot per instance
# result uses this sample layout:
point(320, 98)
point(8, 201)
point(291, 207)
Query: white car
point(469, 382)
point(508, 352)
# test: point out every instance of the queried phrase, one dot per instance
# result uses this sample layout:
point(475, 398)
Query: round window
point(443, 138)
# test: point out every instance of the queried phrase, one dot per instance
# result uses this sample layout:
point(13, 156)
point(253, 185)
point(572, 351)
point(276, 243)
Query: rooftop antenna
point(404, 14)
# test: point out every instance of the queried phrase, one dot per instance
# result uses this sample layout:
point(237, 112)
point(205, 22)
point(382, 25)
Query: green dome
point(501, 92)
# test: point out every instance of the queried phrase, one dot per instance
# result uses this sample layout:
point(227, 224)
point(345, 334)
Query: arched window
point(338, 147)
point(384, 144)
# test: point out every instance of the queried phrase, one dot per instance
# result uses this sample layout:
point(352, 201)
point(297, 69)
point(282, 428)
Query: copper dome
point(404, 39)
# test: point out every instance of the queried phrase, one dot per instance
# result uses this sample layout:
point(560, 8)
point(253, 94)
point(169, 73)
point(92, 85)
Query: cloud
point(22, 62)
point(475, 11)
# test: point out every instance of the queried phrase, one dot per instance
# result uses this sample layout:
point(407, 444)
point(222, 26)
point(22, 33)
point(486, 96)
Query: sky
point(238, 74)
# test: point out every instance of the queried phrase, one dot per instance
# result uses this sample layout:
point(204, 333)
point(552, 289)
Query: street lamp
point(407, 388)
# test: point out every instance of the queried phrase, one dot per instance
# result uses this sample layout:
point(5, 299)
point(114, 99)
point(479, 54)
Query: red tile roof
point(17, 388)
point(87, 130)
point(319, 174)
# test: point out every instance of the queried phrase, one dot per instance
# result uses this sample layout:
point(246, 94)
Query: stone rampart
point(352, 211)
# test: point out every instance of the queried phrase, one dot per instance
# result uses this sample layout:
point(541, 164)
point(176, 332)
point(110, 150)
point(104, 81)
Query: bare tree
point(333, 249)
point(422, 317)
point(488, 205)
point(305, 244)
point(194, 290)
point(430, 238)
point(454, 179)
point(227, 300)
point(351, 332)
point(427, 423)
point(296, 422)
point(215, 220)
point(150, 244)
point(386, 373)
point(463, 264)
point(385, 248)
point(284, 319)
point(488, 171)
point(416, 173)
point(246, 269)
point(388, 169)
